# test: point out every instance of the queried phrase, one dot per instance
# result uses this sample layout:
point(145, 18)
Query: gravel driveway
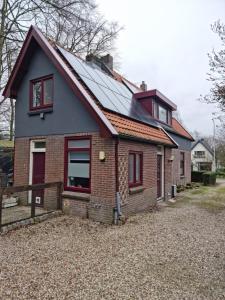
point(177, 252)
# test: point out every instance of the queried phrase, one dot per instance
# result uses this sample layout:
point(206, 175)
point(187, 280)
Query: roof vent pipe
point(143, 86)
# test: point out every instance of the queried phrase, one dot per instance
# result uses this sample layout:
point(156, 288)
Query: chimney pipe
point(143, 86)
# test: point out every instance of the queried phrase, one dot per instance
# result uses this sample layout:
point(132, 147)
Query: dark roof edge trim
point(61, 66)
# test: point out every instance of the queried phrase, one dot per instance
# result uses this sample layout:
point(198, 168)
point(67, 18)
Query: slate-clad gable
point(68, 113)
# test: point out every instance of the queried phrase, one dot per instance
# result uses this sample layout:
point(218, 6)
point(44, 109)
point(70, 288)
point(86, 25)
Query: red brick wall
point(176, 178)
point(168, 173)
point(145, 199)
point(101, 202)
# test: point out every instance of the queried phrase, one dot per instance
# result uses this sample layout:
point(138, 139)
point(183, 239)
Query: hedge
point(209, 178)
point(197, 176)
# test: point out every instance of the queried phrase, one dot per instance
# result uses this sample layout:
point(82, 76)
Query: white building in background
point(201, 156)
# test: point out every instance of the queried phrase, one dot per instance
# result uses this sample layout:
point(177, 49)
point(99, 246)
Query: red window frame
point(182, 164)
point(66, 151)
point(135, 182)
point(41, 80)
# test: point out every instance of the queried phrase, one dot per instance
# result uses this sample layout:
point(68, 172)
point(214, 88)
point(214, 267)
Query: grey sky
point(165, 43)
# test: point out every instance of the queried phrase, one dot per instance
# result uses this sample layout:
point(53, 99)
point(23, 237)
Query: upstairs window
point(77, 164)
point(135, 167)
point(199, 154)
point(41, 92)
point(162, 114)
point(182, 164)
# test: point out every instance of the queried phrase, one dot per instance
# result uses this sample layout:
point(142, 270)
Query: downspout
point(117, 209)
point(164, 175)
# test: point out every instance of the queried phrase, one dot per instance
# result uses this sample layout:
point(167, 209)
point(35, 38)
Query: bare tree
point(217, 70)
point(74, 24)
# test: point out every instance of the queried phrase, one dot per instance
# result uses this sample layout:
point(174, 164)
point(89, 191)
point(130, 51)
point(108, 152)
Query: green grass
point(210, 198)
point(198, 191)
point(211, 205)
point(221, 190)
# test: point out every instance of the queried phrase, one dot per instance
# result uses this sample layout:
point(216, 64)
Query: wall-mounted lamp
point(102, 155)
point(171, 158)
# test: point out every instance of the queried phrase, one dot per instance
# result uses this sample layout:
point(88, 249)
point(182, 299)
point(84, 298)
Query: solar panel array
point(112, 94)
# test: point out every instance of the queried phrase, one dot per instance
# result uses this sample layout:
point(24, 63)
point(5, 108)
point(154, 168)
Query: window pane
point(169, 117)
point(36, 94)
point(182, 163)
point(131, 168)
point(155, 110)
point(39, 145)
point(78, 169)
point(138, 168)
point(79, 144)
point(162, 114)
point(48, 91)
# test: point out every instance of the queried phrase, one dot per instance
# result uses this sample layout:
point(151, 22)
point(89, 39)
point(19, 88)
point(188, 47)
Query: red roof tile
point(180, 129)
point(132, 128)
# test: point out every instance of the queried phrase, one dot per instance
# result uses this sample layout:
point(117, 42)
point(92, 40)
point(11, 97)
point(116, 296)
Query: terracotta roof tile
point(133, 128)
point(180, 129)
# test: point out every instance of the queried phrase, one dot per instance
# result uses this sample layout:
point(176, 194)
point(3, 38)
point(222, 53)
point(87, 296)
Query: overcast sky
point(165, 43)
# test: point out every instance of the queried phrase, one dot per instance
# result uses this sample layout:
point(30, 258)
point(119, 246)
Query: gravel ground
point(174, 253)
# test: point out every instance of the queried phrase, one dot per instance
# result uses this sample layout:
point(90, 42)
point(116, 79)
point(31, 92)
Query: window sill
point(39, 111)
point(76, 195)
point(135, 190)
point(182, 176)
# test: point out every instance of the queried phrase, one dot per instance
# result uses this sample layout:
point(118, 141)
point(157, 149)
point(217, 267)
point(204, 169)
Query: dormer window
point(162, 113)
point(41, 92)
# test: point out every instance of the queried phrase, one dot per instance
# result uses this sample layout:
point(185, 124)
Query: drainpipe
point(117, 209)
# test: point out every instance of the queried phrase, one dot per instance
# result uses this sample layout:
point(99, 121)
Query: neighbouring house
point(201, 156)
point(115, 146)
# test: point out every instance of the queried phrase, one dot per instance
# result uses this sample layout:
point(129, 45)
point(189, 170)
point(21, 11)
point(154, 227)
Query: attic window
point(41, 92)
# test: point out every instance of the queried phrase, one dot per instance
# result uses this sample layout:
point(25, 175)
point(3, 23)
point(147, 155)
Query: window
point(77, 164)
point(204, 166)
point(41, 92)
point(39, 144)
point(199, 154)
point(135, 168)
point(162, 114)
point(182, 164)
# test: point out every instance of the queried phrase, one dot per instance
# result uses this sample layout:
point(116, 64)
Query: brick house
point(115, 146)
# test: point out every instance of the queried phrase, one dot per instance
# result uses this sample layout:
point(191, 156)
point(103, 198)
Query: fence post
point(32, 206)
point(1, 196)
point(59, 195)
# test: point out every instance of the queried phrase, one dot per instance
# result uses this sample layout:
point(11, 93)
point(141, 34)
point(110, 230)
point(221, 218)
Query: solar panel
point(112, 94)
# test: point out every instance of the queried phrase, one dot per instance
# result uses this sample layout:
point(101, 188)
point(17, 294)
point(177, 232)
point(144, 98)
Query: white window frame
point(33, 150)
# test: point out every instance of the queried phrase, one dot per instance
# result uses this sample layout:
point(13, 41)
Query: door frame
point(33, 150)
point(160, 151)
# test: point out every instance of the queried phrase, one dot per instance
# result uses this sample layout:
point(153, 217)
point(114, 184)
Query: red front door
point(38, 176)
point(159, 176)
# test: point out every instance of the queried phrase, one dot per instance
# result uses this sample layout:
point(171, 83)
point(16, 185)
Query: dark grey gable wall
point(184, 144)
point(69, 114)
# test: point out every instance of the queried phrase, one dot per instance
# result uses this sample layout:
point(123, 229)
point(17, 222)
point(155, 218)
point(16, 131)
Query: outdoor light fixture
point(102, 155)
point(171, 158)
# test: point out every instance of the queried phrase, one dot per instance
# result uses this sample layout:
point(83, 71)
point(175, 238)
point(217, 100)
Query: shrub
point(209, 178)
point(196, 176)
point(220, 172)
